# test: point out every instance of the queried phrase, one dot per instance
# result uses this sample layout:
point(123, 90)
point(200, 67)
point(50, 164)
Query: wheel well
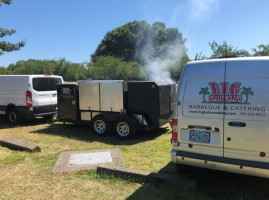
point(9, 107)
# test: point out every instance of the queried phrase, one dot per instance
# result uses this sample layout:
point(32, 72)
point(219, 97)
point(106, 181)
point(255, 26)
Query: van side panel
point(13, 90)
point(198, 118)
point(247, 133)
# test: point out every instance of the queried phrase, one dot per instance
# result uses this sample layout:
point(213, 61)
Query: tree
point(199, 56)
point(263, 50)
point(176, 70)
point(138, 40)
point(225, 50)
point(4, 71)
point(157, 48)
point(8, 46)
point(69, 71)
point(109, 67)
point(247, 92)
point(204, 91)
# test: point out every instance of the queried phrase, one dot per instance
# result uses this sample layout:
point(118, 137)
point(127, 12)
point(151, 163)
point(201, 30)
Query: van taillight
point(174, 130)
point(29, 98)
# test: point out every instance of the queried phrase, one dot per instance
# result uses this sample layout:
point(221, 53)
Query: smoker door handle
point(237, 124)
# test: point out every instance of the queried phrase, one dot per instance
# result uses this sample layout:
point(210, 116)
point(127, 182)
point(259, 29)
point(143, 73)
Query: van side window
point(41, 84)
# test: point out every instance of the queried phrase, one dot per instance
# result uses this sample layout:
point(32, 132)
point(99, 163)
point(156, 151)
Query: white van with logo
point(221, 118)
point(28, 96)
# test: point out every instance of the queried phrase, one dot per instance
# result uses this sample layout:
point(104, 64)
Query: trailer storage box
point(151, 99)
point(101, 95)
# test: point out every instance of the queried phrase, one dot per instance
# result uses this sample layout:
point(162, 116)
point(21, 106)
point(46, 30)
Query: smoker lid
point(164, 83)
point(156, 82)
point(101, 81)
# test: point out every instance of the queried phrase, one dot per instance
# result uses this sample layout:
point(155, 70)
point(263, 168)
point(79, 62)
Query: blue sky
point(55, 29)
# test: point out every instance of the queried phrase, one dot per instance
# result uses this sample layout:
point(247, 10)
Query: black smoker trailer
point(119, 106)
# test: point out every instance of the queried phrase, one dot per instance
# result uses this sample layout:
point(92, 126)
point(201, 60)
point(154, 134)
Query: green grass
point(25, 175)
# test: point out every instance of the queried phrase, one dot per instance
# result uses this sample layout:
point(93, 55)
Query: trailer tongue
point(115, 105)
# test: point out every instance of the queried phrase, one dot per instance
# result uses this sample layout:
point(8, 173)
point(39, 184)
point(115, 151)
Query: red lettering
point(214, 88)
point(235, 88)
point(211, 98)
point(224, 88)
point(220, 98)
point(239, 98)
point(228, 98)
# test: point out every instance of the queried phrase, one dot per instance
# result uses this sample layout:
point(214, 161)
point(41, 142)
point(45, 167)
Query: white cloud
point(194, 10)
point(202, 9)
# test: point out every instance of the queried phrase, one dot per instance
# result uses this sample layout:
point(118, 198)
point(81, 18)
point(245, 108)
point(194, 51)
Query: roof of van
point(260, 58)
point(33, 75)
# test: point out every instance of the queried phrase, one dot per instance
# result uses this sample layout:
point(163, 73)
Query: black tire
point(50, 118)
point(125, 127)
point(13, 116)
point(101, 125)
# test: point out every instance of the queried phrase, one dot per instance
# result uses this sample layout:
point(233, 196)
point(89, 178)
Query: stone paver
point(19, 144)
point(63, 163)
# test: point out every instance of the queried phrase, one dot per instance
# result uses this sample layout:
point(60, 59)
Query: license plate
point(199, 136)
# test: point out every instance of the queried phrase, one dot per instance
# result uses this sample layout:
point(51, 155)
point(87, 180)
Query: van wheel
point(125, 127)
point(101, 125)
point(13, 116)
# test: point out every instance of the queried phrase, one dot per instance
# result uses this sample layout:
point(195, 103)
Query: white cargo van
point(28, 96)
point(221, 118)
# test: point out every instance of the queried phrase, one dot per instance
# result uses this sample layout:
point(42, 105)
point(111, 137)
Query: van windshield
point(46, 84)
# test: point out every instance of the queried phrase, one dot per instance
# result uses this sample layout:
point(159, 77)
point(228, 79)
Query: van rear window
point(46, 84)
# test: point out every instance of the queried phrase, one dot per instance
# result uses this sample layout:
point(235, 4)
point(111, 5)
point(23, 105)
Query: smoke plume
point(158, 67)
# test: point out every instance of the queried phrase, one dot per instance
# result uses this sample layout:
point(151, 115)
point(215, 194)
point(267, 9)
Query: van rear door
point(53, 81)
point(200, 110)
point(44, 93)
point(246, 127)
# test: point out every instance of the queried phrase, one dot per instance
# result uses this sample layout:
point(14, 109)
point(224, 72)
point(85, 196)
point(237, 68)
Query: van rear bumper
point(45, 110)
point(38, 111)
point(178, 155)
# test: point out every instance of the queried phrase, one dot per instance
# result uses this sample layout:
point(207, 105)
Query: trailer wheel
point(125, 127)
point(13, 116)
point(101, 125)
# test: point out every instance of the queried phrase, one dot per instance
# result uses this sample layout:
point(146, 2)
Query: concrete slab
point(81, 160)
point(90, 158)
point(143, 176)
point(19, 144)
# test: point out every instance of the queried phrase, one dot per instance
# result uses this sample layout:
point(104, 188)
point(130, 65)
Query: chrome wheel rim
point(99, 126)
point(123, 129)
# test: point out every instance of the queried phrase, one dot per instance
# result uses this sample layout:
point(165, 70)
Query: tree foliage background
point(69, 71)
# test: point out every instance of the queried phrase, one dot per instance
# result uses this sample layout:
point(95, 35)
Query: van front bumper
point(221, 163)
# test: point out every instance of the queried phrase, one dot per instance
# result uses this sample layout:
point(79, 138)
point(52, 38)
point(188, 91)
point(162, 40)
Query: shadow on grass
point(84, 133)
point(27, 122)
point(211, 185)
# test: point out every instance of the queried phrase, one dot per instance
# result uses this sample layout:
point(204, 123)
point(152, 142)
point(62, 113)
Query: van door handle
point(237, 124)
